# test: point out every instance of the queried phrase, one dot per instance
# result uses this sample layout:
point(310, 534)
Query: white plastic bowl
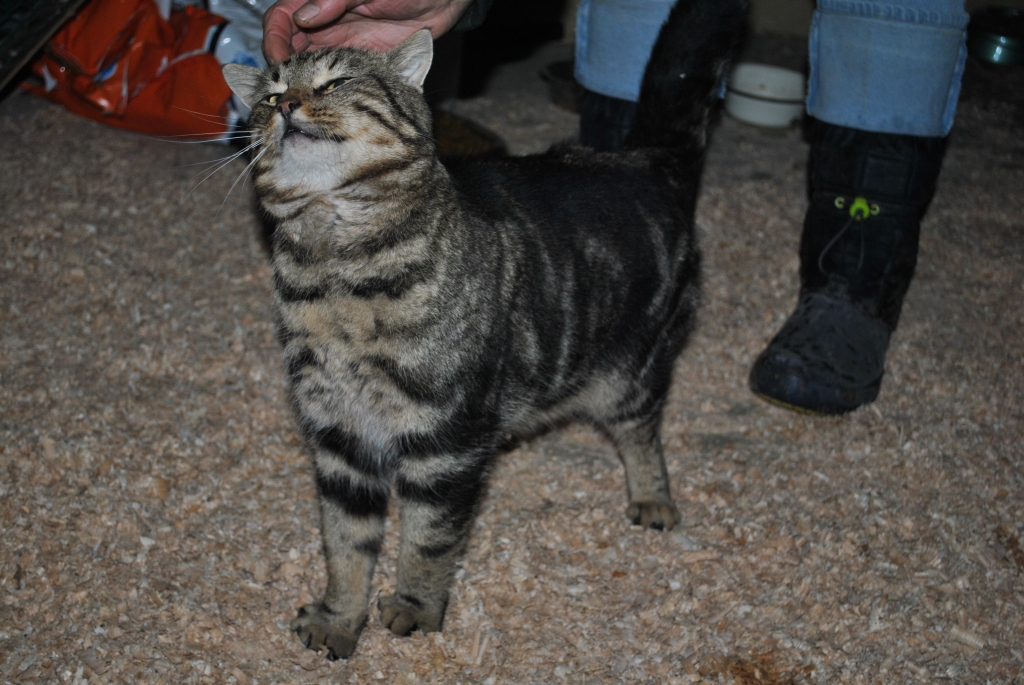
point(764, 95)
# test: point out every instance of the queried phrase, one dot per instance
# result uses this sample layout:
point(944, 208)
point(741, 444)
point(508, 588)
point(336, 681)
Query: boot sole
point(820, 400)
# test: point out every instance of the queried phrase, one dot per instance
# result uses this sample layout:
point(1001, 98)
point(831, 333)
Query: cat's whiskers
point(209, 163)
point(238, 132)
point(224, 161)
point(202, 138)
point(245, 172)
point(203, 116)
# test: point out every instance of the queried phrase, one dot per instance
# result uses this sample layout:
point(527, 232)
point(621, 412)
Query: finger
point(278, 30)
point(301, 42)
point(363, 33)
point(437, 15)
point(318, 13)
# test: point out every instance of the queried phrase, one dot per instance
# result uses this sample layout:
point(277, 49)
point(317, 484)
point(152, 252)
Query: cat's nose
point(288, 104)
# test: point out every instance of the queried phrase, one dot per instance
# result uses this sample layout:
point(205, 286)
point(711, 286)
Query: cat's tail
point(682, 83)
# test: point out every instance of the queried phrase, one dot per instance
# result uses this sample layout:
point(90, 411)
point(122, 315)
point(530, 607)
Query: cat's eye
point(333, 85)
point(272, 99)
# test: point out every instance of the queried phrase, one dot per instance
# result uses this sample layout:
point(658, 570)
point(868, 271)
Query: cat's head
point(333, 118)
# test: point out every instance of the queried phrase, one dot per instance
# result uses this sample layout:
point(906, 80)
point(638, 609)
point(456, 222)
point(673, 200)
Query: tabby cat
point(433, 313)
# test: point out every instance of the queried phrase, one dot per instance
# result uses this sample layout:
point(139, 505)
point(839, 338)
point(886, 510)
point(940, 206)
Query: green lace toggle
point(860, 209)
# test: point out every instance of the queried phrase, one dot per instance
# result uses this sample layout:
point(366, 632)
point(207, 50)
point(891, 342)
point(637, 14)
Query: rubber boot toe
point(828, 358)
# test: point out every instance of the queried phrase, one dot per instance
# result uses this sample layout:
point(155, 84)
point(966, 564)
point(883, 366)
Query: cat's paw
point(657, 515)
point(405, 614)
point(318, 628)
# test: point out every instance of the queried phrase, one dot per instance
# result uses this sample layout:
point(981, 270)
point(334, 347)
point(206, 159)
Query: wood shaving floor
point(158, 511)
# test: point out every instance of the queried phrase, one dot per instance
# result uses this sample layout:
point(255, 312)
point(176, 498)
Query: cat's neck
point(362, 210)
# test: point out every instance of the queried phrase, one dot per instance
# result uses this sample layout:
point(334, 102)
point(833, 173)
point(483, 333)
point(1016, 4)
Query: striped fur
point(429, 312)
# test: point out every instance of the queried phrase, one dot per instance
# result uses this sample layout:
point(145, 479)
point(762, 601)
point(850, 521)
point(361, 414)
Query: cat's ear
point(412, 58)
point(243, 81)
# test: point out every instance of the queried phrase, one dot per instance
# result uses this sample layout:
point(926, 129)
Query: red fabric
point(120, 62)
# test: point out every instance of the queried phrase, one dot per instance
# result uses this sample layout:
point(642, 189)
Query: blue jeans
point(888, 68)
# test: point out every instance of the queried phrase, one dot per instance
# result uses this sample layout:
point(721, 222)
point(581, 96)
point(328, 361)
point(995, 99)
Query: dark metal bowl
point(562, 86)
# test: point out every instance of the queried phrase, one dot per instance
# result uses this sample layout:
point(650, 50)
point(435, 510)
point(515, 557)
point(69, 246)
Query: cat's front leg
point(439, 499)
point(639, 445)
point(352, 509)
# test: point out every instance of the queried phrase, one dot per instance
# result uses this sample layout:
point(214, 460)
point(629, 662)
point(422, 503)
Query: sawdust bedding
point(158, 512)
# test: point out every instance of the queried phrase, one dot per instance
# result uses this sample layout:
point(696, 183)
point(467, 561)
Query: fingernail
point(307, 12)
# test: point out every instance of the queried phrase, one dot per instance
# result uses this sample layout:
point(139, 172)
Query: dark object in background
point(511, 32)
point(788, 52)
point(996, 35)
point(604, 121)
point(442, 83)
point(25, 26)
point(459, 137)
point(454, 135)
point(562, 86)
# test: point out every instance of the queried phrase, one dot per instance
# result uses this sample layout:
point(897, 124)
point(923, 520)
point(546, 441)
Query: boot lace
point(860, 210)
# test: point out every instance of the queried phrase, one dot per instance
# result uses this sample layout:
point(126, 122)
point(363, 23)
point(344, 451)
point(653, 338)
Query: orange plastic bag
point(120, 62)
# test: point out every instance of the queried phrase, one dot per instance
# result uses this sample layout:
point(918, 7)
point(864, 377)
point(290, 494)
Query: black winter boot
point(604, 120)
point(857, 256)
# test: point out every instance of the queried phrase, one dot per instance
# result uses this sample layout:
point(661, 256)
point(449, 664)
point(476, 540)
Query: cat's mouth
point(296, 133)
point(294, 130)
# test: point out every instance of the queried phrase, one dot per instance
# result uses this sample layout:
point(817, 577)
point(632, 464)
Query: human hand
point(291, 26)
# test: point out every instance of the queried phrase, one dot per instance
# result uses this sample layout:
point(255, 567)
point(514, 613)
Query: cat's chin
point(308, 164)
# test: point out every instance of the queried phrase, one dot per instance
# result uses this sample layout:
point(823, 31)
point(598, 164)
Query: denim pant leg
point(613, 42)
point(874, 66)
point(887, 68)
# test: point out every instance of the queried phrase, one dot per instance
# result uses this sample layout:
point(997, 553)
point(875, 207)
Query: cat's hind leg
point(352, 509)
point(439, 497)
point(639, 446)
